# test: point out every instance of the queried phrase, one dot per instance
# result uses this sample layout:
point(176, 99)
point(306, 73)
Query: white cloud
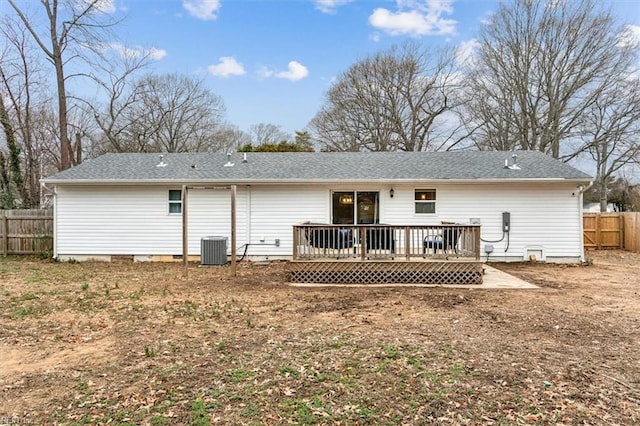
point(157, 54)
point(330, 6)
point(296, 72)
point(202, 9)
point(264, 72)
point(227, 66)
point(416, 18)
point(106, 6)
point(137, 52)
point(630, 36)
point(465, 52)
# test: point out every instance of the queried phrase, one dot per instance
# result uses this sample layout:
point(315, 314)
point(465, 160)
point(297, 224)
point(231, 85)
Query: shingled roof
point(294, 167)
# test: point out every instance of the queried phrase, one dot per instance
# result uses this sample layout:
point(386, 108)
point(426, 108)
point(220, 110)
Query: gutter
point(305, 182)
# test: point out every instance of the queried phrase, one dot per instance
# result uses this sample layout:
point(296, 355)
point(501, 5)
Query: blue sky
point(271, 61)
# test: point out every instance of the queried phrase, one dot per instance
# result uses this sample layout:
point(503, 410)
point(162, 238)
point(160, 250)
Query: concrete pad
point(494, 278)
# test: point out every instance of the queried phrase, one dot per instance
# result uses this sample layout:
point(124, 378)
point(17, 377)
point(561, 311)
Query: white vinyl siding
point(135, 220)
point(115, 220)
point(274, 211)
point(542, 214)
point(128, 220)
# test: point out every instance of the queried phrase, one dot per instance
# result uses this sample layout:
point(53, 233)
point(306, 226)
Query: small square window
point(175, 201)
point(425, 201)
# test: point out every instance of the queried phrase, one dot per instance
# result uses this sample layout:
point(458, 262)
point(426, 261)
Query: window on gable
point(175, 201)
point(425, 201)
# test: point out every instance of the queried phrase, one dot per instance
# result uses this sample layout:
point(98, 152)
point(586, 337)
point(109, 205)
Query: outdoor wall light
point(391, 192)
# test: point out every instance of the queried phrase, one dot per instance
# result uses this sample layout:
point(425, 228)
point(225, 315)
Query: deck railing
point(368, 242)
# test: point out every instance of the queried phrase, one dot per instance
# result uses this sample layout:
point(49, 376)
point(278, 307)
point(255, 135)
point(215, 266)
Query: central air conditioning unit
point(213, 251)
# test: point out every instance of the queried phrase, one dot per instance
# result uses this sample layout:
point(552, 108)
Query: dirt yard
point(137, 344)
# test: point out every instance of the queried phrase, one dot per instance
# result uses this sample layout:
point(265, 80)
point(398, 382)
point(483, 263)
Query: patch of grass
point(392, 352)
point(304, 415)
point(336, 345)
point(28, 305)
point(251, 410)
point(37, 277)
point(85, 286)
point(416, 363)
point(149, 352)
point(288, 372)
point(199, 415)
point(365, 413)
point(455, 370)
point(238, 376)
point(159, 421)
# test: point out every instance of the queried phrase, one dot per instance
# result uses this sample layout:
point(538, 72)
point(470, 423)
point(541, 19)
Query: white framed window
point(175, 201)
point(425, 201)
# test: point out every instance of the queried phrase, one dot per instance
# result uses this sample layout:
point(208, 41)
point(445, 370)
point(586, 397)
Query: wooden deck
point(386, 254)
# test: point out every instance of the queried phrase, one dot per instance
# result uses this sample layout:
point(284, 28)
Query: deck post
point(296, 236)
point(185, 230)
point(233, 231)
point(476, 231)
point(407, 242)
point(363, 243)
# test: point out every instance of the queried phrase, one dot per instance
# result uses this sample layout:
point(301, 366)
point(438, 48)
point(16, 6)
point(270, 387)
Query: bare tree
point(25, 94)
point(70, 25)
point(541, 66)
point(611, 133)
point(115, 80)
point(393, 100)
point(168, 113)
point(264, 133)
point(230, 138)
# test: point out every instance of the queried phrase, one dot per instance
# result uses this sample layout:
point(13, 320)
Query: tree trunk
point(603, 196)
point(66, 152)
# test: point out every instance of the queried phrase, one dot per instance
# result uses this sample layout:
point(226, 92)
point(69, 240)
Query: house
point(595, 208)
point(132, 204)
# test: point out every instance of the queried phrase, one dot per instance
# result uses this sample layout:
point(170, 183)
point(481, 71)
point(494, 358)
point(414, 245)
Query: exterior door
point(355, 207)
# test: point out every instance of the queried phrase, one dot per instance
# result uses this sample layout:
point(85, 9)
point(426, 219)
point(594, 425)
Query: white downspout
point(54, 192)
point(581, 191)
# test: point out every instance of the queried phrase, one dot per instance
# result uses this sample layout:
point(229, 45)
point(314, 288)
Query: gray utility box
point(213, 251)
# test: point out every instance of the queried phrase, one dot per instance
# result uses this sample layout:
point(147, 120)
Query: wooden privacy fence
point(26, 231)
point(612, 231)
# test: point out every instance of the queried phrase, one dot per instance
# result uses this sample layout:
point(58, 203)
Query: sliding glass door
point(355, 207)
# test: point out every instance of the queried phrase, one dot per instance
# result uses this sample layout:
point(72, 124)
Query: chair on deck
point(381, 239)
point(447, 241)
point(336, 239)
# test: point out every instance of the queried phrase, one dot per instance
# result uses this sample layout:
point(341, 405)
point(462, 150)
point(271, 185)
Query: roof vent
point(244, 158)
point(514, 165)
point(229, 163)
point(161, 163)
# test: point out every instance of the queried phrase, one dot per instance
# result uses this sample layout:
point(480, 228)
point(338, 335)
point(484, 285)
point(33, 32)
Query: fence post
point(5, 234)
point(598, 236)
point(621, 230)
